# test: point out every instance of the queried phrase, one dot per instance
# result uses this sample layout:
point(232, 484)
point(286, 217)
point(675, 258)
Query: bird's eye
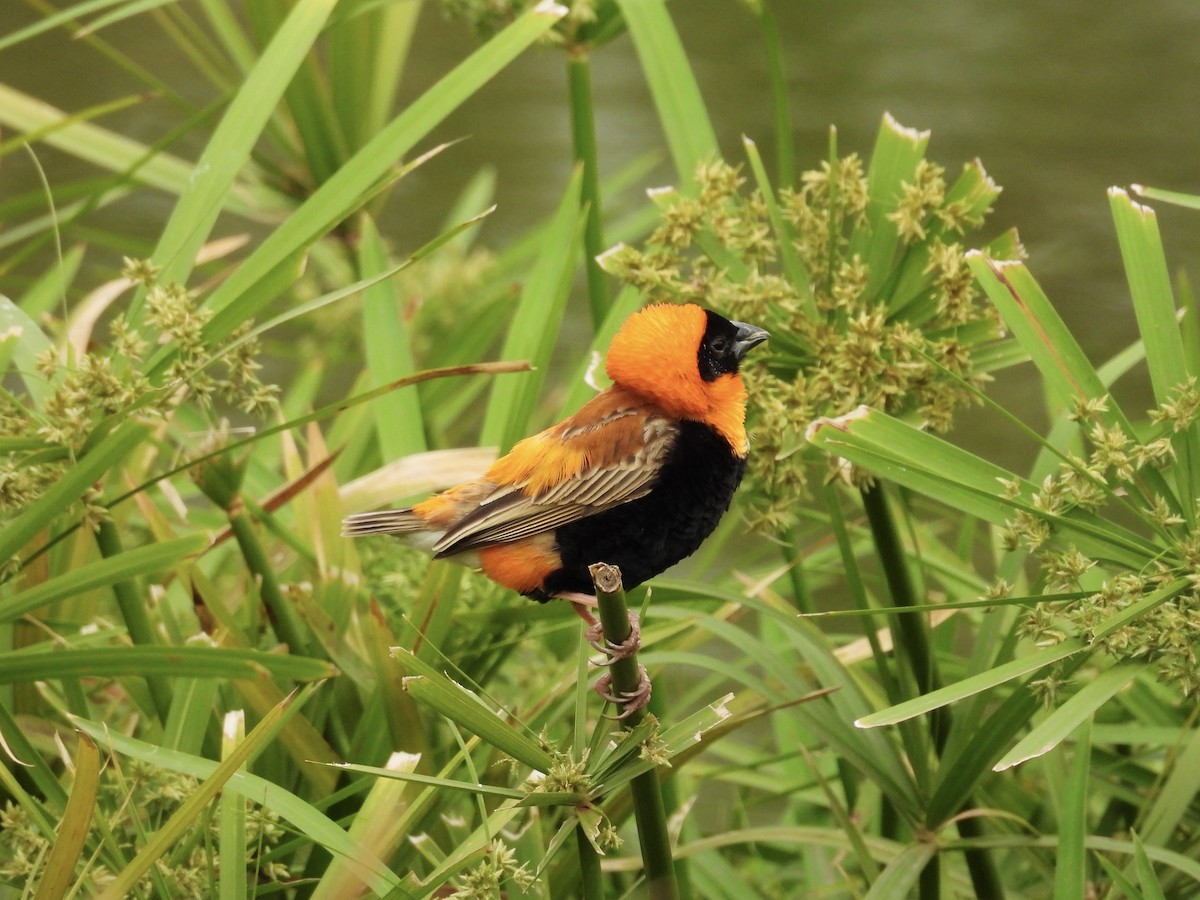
point(719, 345)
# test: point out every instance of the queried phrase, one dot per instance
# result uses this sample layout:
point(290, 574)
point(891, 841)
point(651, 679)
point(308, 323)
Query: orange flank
point(522, 565)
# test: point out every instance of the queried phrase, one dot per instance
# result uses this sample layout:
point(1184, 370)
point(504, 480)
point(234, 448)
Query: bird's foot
point(629, 702)
point(583, 604)
point(623, 650)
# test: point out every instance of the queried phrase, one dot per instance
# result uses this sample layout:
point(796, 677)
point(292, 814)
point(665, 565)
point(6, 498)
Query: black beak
point(747, 338)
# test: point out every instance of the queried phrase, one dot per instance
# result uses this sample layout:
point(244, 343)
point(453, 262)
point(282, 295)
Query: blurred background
point(1058, 101)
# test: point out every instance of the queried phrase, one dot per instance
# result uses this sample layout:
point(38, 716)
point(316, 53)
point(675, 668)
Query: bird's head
point(685, 359)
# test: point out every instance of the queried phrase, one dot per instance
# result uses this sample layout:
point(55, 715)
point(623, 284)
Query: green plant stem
point(984, 877)
point(785, 151)
point(912, 639)
point(133, 610)
point(911, 629)
point(583, 137)
point(283, 617)
point(648, 808)
point(590, 879)
point(929, 887)
point(909, 636)
point(801, 596)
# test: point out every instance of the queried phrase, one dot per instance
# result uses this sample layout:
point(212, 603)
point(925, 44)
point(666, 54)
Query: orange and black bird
point(637, 478)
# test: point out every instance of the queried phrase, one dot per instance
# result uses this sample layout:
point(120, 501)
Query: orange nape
point(521, 566)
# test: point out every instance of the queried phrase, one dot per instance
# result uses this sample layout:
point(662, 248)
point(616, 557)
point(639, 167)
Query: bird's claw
point(623, 650)
point(628, 701)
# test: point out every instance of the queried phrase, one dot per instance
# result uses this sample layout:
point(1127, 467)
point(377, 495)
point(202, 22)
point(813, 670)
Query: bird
point(637, 478)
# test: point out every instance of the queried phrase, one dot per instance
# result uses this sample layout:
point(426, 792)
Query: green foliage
point(206, 691)
point(860, 277)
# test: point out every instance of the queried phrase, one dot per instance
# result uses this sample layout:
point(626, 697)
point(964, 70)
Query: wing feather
point(610, 459)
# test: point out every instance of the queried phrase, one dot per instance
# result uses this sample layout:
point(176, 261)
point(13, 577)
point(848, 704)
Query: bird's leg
point(583, 604)
point(628, 701)
point(623, 650)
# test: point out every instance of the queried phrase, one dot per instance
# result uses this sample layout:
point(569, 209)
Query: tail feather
point(384, 521)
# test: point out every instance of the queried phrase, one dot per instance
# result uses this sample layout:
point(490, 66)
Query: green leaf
point(535, 326)
point(793, 268)
point(455, 702)
point(111, 151)
point(1158, 322)
point(90, 468)
point(938, 469)
point(1070, 865)
point(159, 361)
point(968, 687)
point(157, 661)
point(490, 790)
point(229, 148)
point(894, 161)
point(131, 564)
point(398, 419)
point(1069, 375)
point(379, 825)
point(901, 874)
point(306, 818)
point(1151, 887)
point(1061, 723)
point(367, 52)
point(1187, 201)
point(1135, 610)
point(1171, 801)
point(23, 343)
point(669, 75)
point(193, 807)
point(231, 817)
point(59, 19)
point(75, 824)
point(238, 299)
point(130, 9)
point(1150, 287)
point(1033, 320)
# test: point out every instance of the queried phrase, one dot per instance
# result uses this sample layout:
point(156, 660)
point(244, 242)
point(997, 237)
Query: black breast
point(646, 536)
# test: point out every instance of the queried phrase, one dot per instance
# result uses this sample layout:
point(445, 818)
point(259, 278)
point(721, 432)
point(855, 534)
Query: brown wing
point(608, 453)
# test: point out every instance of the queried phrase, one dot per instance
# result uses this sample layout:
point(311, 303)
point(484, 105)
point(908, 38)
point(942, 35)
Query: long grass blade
point(1061, 723)
point(89, 469)
point(131, 564)
point(231, 817)
point(110, 151)
point(159, 662)
point(75, 824)
point(191, 809)
point(968, 687)
point(535, 326)
point(338, 196)
point(306, 818)
point(677, 98)
point(452, 700)
point(1070, 867)
point(398, 418)
point(229, 148)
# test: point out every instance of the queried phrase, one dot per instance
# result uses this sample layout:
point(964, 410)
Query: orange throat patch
point(726, 413)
